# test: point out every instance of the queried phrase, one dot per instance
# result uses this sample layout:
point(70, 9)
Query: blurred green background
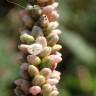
point(78, 25)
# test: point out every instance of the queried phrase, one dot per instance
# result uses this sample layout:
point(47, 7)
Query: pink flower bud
point(56, 59)
point(35, 90)
point(18, 82)
point(53, 16)
point(48, 9)
point(23, 48)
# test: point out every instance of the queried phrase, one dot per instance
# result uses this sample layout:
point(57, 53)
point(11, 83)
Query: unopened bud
point(34, 60)
point(55, 76)
point(56, 59)
point(46, 51)
point(33, 71)
point(53, 16)
point(23, 48)
point(35, 90)
point(54, 93)
point(43, 21)
point(48, 9)
point(46, 72)
point(41, 40)
point(35, 49)
point(47, 62)
point(35, 11)
point(53, 81)
point(18, 82)
point(55, 4)
point(37, 31)
point(52, 39)
point(38, 80)
point(56, 32)
point(53, 25)
point(47, 88)
point(26, 38)
point(56, 48)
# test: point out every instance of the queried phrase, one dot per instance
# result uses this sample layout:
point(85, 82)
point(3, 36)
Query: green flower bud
point(34, 60)
point(46, 51)
point(33, 71)
point(54, 93)
point(52, 39)
point(46, 62)
point(26, 38)
point(46, 72)
point(38, 80)
point(42, 40)
point(56, 48)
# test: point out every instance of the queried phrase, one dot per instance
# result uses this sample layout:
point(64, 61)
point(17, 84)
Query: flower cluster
point(40, 50)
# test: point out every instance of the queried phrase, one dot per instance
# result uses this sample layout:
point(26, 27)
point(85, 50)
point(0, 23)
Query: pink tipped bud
point(48, 9)
point(53, 16)
point(35, 90)
point(18, 82)
point(23, 48)
point(56, 59)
